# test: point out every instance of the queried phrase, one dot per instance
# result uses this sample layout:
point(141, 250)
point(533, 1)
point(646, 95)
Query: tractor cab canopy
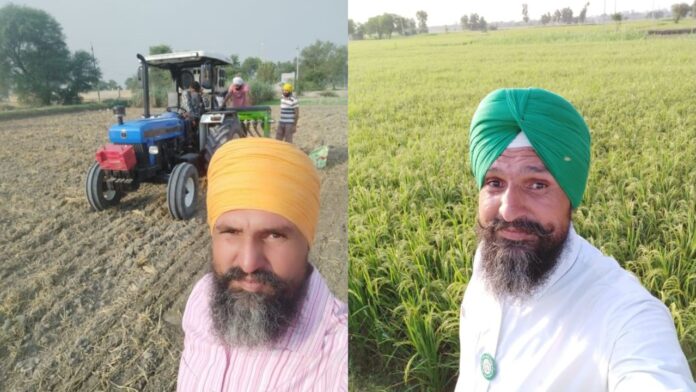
point(185, 67)
point(185, 59)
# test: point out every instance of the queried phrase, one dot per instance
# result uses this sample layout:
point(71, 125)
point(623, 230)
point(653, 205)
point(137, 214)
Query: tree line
point(474, 22)
point(322, 64)
point(566, 15)
point(36, 65)
point(560, 16)
point(387, 24)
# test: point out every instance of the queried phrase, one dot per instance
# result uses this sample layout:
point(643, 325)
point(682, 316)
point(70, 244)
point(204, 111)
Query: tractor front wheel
point(182, 191)
point(99, 195)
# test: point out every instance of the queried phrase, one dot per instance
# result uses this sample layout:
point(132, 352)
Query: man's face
point(524, 217)
point(237, 87)
point(260, 267)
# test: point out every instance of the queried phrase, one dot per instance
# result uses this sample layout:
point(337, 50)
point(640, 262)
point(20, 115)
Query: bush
point(328, 94)
point(308, 85)
point(158, 98)
point(116, 102)
point(261, 92)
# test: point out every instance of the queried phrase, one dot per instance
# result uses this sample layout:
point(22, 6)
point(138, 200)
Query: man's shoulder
point(334, 306)
point(203, 285)
point(604, 282)
point(289, 101)
point(605, 272)
point(335, 313)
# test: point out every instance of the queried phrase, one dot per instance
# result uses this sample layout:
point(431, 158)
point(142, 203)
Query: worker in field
point(289, 114)
point(544, 309)
point(263, 318)
point(238, 94)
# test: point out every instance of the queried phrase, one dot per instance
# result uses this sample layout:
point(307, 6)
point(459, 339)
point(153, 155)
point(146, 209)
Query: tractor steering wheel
point(177, 109)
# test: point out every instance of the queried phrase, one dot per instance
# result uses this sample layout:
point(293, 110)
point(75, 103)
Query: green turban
point(554, 128)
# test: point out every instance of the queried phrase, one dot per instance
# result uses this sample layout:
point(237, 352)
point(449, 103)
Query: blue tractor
point(172, 147)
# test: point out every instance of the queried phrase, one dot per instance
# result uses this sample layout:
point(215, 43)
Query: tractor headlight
point(153, 150)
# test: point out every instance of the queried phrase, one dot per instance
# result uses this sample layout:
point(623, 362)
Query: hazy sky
point(442, 12)
point(119, 29)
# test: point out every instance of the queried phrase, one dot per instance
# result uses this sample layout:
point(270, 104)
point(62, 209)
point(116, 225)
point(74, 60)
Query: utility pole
point(94, 63)
point(297, 66)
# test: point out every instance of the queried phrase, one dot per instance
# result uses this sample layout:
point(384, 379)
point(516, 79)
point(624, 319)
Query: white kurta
point(590, 327)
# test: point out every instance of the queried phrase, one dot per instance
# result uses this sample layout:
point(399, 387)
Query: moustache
point(525, 225)
point(261, 276)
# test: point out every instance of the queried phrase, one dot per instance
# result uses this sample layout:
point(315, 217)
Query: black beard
point(517, 268)
point(253, 319)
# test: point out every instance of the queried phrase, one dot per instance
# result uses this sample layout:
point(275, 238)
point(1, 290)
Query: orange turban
point(264, 174)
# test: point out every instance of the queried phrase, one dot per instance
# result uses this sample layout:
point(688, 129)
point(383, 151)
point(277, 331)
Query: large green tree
point(338, 66)
point(567, 15)
point(583, 13)
point(83, 76)
point(250, 66)
point(159, 80)
point(321, 64)
point(525, 13)
point(422, 17)
point(266, 72)
point(35, 62)
point(34, 59)
point(680, 11)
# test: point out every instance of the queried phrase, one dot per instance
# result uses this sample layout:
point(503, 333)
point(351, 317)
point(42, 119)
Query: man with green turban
point(544, 309)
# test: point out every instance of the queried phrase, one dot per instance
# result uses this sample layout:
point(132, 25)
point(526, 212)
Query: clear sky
point(119, 29)
point(441, 12)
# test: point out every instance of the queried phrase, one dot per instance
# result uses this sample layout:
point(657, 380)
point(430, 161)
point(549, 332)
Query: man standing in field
point(544, 309)
point(263, 319)
point(289, 114)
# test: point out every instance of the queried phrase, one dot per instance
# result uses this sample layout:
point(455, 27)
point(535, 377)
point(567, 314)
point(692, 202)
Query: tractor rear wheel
point(182, 191)
point(99, 195)
point(214, 136)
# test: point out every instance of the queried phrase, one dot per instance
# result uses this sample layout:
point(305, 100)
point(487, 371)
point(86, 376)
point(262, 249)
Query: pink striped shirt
point(311, 356)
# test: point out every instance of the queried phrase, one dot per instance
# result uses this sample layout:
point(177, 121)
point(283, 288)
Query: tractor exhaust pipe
point(119, 112)
point(146, 85)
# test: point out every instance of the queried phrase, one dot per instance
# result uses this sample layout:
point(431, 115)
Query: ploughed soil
point(93, 300)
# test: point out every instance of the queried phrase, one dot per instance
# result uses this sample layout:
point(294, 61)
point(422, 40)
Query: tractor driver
point(238, 95)
point(192, 102)
point(263, 319)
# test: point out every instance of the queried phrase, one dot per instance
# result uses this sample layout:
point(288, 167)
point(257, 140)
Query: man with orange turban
point(263, 319)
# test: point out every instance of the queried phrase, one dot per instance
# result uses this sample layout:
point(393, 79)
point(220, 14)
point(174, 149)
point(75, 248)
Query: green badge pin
point(488, 367)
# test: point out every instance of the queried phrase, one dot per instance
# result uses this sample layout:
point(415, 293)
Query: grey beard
point(253, 319)
point(517, 269)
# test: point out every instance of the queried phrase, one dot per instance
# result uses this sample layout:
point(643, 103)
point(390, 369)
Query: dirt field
point(93, 301)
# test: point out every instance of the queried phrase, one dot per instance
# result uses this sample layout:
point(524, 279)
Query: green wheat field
point(413, 200)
